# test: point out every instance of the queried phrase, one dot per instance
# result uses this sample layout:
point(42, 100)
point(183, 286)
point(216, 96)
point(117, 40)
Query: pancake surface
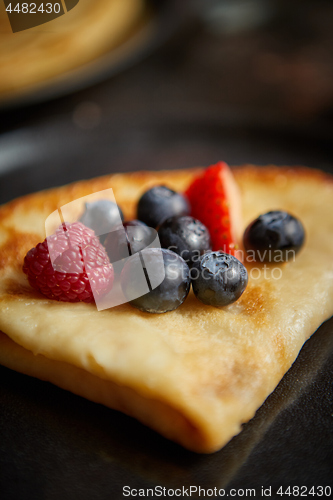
point(194, 374)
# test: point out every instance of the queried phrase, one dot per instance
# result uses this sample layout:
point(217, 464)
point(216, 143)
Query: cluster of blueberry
point(80, 259)
point(217, 278)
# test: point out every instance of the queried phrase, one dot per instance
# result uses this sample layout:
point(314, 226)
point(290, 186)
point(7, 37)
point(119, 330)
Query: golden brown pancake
point(194, 374)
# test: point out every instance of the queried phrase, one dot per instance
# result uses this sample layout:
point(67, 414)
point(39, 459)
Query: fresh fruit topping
point(274, 237)
point(79, 267)
point(128, 239)
point(160, 203)
point(186, 236)
point(216, 202)
point(163, 268)
point(220, 279)
point(102, 216)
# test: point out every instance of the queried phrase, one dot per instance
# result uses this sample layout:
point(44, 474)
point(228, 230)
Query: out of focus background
point(122, 85)
point(165, 84)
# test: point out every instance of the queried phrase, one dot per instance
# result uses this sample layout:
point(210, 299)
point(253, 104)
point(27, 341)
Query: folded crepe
point(194, 374)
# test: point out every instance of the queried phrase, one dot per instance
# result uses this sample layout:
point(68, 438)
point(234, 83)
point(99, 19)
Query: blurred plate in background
point(92, 42)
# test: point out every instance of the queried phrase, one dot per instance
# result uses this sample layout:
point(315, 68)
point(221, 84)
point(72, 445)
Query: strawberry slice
point(215, 201)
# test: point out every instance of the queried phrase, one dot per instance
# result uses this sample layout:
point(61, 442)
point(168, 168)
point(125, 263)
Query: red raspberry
point(69, 264)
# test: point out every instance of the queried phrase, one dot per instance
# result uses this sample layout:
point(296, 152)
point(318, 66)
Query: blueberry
point(102, 216)
point(166, 275)
point(160, 203)
point(274, 236)
point(186, 236)
point(128, 239)
point(218, 279)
